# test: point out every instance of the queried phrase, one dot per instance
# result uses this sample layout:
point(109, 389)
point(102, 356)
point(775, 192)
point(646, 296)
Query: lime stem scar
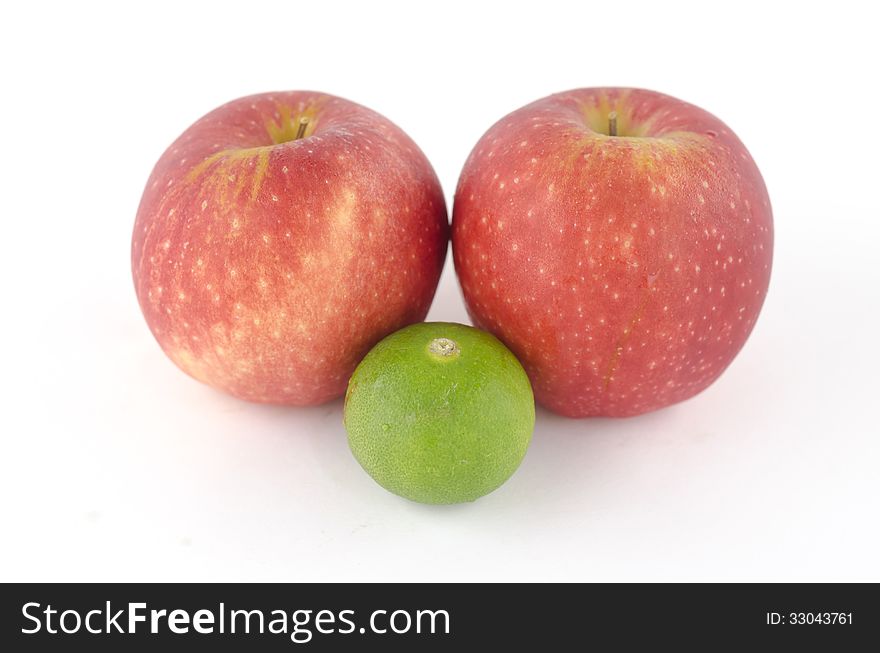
point(443, 347)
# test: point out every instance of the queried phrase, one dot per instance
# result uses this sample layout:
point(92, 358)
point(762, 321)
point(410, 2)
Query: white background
point(117, 466)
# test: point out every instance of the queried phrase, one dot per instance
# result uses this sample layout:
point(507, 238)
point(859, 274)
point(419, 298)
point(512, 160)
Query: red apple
point(280, 237)
point(619, 241)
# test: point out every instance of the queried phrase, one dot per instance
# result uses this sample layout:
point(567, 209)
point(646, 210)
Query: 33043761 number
point(825, 618)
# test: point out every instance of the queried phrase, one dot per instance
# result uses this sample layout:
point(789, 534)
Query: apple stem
point(612, 123)
point(301, 129)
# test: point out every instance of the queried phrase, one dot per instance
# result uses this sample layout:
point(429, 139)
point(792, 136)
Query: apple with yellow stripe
point(619, 242)
point(280, 237)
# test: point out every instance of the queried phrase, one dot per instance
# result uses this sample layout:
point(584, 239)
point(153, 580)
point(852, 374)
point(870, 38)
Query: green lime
point(439, 413)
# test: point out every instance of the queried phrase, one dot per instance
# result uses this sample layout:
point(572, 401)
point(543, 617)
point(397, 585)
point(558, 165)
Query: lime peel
point(439, 413)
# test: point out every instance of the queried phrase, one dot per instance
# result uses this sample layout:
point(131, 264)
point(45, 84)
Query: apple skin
point(268, 265)
point(626, 271)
